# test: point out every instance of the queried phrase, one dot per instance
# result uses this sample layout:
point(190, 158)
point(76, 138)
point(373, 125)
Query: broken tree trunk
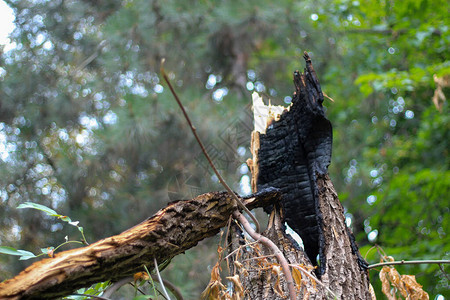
point(291, 151)
point(171, 231)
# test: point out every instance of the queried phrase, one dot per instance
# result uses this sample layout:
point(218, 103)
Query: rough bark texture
point(171, 231)
point(346, 272)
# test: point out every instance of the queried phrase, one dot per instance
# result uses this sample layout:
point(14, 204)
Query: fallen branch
point(171, 231)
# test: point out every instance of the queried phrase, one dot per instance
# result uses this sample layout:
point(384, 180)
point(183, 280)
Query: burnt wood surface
point(292, 151)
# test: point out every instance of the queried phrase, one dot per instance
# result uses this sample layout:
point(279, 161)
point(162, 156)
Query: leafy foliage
point(87, 127)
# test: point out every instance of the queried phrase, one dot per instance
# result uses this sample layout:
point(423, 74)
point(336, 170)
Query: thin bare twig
point(194, 131)
point(160, 279)
point(409, 262)
point(88, 60)
point(258, 257)
point(239, 249)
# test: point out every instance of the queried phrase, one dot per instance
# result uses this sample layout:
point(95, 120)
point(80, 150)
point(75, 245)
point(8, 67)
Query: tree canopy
point(88, 128)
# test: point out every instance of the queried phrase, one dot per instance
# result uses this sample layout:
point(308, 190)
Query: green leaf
point(40, 207)
point(26, 255)
point(9, 250)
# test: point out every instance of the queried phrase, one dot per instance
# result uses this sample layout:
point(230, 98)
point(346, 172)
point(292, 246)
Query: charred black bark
point(293, 150)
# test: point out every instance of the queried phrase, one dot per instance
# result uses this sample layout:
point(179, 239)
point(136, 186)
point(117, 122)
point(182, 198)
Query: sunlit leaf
point(40, 207)
point(9, 250)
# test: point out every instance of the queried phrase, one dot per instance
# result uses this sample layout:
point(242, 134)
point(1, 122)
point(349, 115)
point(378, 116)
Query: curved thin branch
point(271, 245)
point(239, 202)
point(408, 262)
point(115, 286)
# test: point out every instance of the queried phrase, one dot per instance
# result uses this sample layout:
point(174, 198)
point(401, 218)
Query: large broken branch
point(171, 231)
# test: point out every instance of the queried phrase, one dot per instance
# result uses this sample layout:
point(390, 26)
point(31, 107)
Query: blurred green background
point(88, 128)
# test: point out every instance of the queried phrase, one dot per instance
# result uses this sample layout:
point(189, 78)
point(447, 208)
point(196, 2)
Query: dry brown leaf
point(241, 268)
point(413, 288)
point(439, 96)
point(238, 264)
point(276, 269)
point(212, 291)
point(386, 284)
point(405, 285)
point(215, 286)
point(140, 276)
point(238, 291)
point(297, 276)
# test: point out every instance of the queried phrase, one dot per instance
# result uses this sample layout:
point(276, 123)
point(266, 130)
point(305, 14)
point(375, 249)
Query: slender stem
point(68, 242)
point(175, 291)
point(409, 262)
point(194, 131)
point(160, 279)
point(91, 296)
